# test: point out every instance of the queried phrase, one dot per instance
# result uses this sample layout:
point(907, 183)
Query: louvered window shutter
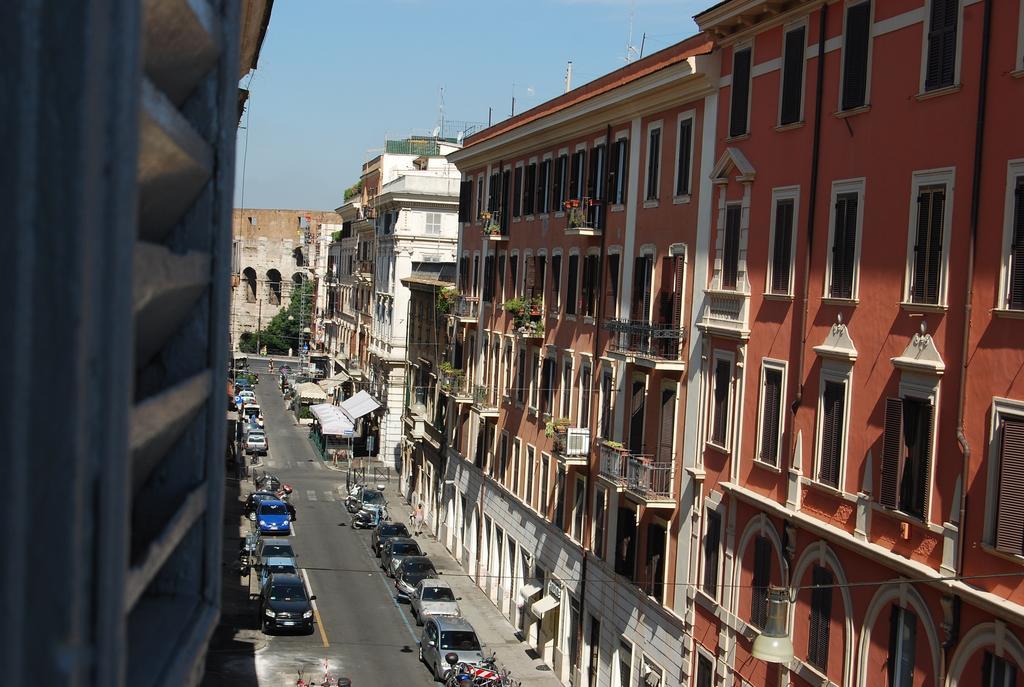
point(844, 246)
point(921, 489)
point(683, 169)
point(770, 416)
point(665, 292)
point(1016, 274)
point(894, 637)
point(531, 182)
point(821, 617)
point(731, 248)
point(572, 286)
point(855, 55)
point(720, 427)
point(556, 183)
point(531, 272)
point(759, 585)
point(465, 197)
point(624, 171)
point(781, 259)
point(613, 174)
point(678, 290)
point(928, 245)
point(942, 28)
point(611, 303)
point(574, 175)
point(517, 190)
point(740, 92)
point(1010, 518)
point(592, 180)
point(793, 76)
point(712, 536)
point(831, 433)
point(638, 288)
point(892, 452)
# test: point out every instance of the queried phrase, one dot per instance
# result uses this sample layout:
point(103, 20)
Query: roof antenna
point(568, 77)
point(631, 50)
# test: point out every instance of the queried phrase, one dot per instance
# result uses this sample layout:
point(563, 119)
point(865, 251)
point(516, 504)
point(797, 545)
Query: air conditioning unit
point(577, 441)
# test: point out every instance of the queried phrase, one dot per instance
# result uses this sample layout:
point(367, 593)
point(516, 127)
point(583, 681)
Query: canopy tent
point(329, 385)
point(310, 391)
point(333, 421)
point(359, 405)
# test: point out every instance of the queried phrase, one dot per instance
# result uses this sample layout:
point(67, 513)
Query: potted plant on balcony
point(576, 211)
point(492, 223)
point(556, 426)
point(451, 376)
point(446, 299)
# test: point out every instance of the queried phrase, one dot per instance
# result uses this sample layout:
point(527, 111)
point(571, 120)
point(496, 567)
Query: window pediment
point(921, 355)
point(732, 160)
point(837, 344)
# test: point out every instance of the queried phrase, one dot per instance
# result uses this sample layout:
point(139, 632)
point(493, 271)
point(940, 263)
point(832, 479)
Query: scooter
point(368, 518)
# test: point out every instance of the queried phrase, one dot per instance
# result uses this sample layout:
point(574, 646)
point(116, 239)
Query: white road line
point(316, 609)
point(311, 495)
point(291, 530)
point(328, 496)
point(317, 464)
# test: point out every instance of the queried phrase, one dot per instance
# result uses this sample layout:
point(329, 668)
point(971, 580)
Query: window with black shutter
point(821, 618)
point(543, 187)
point(940, 71)
point(793, 75)
point(517, 192)
point(492, 193)
point(513, 274)
point(521, 376)
point(547, 385)
point(556, 283)
point(906, 456)
point(782, 248)
point(855, 55)
point(585, 294)
point(571, 285)
point(902, 645)
point(506, 201)
point(500, 288)
point(705, 671)
point(683, 154)
point(558, 183)
point(617, 178)
point(465, 200)
point(771, 415)
point(1015, 290)
point(488, 279)
point(926, 278)
point(720, 414)
point(997, 672)
point(833, 418)
point(844, 246)
point(529, 187)
point(740, 100)
point(761, 580)
point(712, 537)
point(576, 174)
point(479, 197)
point(464, 274)
point(731, 248)
point(653, 163)
point(1010, 513)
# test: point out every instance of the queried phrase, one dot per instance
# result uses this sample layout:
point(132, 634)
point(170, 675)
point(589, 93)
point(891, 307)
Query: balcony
point(572, 445)
point(656, 346)
point(583, 217)
point(494, 229)
point(726, 313)
point(527, 317)
point(639, 475)
point(364, 270)
point(454, 384)
point(466, 309)
point(485, 401)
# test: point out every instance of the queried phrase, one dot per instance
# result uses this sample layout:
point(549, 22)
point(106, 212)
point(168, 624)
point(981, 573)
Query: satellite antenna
point(460, 136)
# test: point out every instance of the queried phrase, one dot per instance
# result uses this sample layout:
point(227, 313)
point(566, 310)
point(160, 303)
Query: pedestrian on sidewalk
point(417, 519)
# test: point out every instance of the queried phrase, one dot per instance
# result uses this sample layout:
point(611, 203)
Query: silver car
point(443, 636)
point(432, 597)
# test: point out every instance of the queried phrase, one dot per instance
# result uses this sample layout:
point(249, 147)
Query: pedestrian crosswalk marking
point(318, 465)
point(311, 495)
point(328, 496)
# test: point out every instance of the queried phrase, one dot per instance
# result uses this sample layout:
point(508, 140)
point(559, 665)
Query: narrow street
point(363, 632)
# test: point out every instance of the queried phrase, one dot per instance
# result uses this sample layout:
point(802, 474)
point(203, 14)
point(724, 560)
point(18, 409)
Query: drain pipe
point(979, 140)
point(811, 205)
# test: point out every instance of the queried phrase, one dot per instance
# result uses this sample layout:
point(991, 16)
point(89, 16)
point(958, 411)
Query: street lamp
point(773, 644)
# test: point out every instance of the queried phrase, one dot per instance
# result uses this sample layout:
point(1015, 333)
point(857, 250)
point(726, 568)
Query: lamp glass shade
point(773, 644)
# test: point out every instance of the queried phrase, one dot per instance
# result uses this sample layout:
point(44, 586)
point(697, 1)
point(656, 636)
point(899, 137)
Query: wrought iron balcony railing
point(466, 307)
point(655, 341)
point(639, 473)
point(485, 400)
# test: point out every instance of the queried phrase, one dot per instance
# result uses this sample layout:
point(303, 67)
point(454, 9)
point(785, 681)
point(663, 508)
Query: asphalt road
point(363, 632)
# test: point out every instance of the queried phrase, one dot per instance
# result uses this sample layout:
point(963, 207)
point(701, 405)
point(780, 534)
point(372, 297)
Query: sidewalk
point(495, 632)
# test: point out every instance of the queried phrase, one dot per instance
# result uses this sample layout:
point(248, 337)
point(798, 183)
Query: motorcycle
point(368, 518)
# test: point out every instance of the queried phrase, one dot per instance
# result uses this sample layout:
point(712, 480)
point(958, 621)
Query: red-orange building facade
point(763, 261)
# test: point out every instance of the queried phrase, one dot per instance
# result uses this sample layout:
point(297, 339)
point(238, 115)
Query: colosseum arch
point(273, 287)
point(249, 277)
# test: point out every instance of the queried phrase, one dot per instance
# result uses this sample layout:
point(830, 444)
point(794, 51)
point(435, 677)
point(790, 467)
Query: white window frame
point(840, 372)
point(932, 177)
point(580, 147)
point(427, 223)
point(838, 187)
point(547, 157)
point(1002, 408)
point(577, 536)
point(544, 483)
point(842, 57)
point(529, 461)
point(651, 126)
point(729, 357)
point(1014, 170)
point(621, 175)
point(793, 26)
point(533, 398)
point(522, 185)
point(586, 363)
point(536, 171)
point(926, 25)
point(600, 502)
point(618, 661)
point(559, 210)
point(783, 367)
point(783, 193)
point(565, 397)
point(576, 291)
point(683, 116)
point(713, 502)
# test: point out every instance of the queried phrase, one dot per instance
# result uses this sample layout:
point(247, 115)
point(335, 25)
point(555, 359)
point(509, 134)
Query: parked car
point(253, 412)
point(384, 531)
point(276, 566)
point(256, 443)
point(247, 396)
point(431, 597)
point(395, 550)
point(284, 604)
point(274, 548)
point(273, 517)
point(448, 635)
point(254, 500)
point(410, 572)
point(361, 496)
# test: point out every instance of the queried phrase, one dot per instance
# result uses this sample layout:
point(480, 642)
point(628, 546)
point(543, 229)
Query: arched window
point(274, 287)
point(297, 280)
point(249, 277)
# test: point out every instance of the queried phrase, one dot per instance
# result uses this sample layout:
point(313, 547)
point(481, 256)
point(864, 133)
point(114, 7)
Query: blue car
point(272, 517)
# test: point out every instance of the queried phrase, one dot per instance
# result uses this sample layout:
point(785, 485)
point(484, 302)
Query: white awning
point(310, 391)
point(529, 588)
point(332, 420)
point(543, 606)
point(359, 405)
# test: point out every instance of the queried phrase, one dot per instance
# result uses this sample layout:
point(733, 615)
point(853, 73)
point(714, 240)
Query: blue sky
point(336, 77)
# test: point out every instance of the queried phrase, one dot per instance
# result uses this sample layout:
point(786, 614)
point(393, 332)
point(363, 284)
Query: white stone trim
point(946, 177)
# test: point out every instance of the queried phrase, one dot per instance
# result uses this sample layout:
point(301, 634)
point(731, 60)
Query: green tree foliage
point(284, 330)
point(353, 190)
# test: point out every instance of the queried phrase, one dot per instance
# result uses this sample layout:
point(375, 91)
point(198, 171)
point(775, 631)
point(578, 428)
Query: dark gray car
point(384, 531)
point(395, 550)
point(448, 635)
